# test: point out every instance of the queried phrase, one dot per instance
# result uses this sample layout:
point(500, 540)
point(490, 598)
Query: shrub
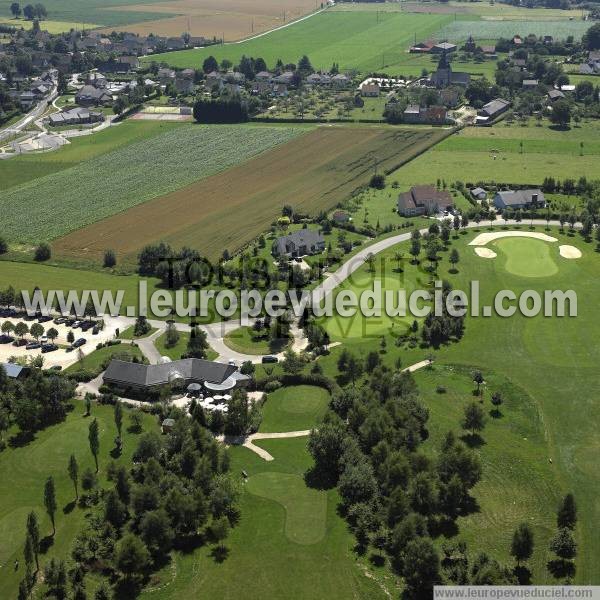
point(271, 386)
point(110, 259)
point(42, 252)
point(377, 181)
point(3, 246)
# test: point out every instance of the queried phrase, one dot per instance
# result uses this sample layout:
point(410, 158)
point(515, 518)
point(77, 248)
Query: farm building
point(492, 110)
point(423, 200)
point(478, 193)
point(519, 199)
point(299, 243)
point(422, 47)
point(213, 376)
point(443, 48)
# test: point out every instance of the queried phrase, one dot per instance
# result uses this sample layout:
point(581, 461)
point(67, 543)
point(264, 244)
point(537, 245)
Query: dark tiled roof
point(519, 197)
point(302, 237)
point(189, 369)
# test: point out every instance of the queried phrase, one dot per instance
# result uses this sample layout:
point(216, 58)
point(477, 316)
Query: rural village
point(334, 148)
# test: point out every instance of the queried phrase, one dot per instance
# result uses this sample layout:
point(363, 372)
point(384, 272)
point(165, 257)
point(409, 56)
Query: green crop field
point(101, 12)
point(27, 167)
point(364, 41)
point(487, 30)
point(67, 200)
point(50, 26)
point(494, 154)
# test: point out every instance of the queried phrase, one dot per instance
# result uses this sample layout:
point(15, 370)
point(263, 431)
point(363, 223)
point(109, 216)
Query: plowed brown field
point(311, 173)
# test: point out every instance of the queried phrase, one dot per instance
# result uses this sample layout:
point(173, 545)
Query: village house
point(444, 48)
point(423, 200)
point(370, 90)
point(432, 115)
point(478, 193)
point(422, 47)
point(519, 199)
point(88, 95)
point(299, 243)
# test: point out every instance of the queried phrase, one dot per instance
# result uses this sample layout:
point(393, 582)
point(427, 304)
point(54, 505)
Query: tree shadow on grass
point(376, 559)
point(46, 543)
point(21, 439)
point(523, 575)
point(473, 440)
point(317, 480)
point(561, 568)
point(128, 588)
point(68, 508)
point(496, 413)
point(219, 553)
point(189, 543)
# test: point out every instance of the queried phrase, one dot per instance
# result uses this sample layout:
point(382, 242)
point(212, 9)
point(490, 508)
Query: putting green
point(294, 408)
point(305, 508)
point(528, 257)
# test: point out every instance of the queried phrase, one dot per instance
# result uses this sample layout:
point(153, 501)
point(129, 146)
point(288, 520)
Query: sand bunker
point(483, 238)
point(485, 253)
point(569, 252)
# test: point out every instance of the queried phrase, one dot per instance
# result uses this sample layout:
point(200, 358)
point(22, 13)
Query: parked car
point(269, 359)
point(33, 346)
point(6, 339)
point(96, 330)
point(86, 326)
point(44, 319)
point(20, 342)
point(70, 322)
point(60, 320)
point(49, 348)
point(44, 339)
point(55, 368)
point(8, 312)
point(80, 342)
point(77, 324)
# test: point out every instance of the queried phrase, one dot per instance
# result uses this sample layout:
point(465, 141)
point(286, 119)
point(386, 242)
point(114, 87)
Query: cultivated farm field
point(113, 182)
point(355, 40)
point(221, 19)
point(312, 173)
point(488, 30)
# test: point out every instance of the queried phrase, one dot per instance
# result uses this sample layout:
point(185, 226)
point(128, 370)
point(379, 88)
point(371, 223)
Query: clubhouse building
point(211, 376)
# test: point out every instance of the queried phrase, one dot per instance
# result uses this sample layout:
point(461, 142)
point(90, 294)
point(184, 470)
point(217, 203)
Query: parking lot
point(60, 357)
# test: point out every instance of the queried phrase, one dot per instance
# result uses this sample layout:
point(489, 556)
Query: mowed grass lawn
point(494, 154)
point(49, 25)
point(365, 41)
point(294, 408)
point(95, 359)
point(113, 182)
point(246, 341)
point(290, 541)
point(176, 352)
point(552, 360)
point(23, 472)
